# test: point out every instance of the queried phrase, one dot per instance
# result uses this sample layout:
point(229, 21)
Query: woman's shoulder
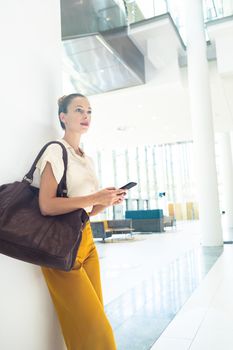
point(53, 155)
point(54, 148)
point(53, 152)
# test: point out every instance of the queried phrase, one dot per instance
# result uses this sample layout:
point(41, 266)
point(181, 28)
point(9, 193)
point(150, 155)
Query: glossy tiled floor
point(206, 321)
point(146, 282)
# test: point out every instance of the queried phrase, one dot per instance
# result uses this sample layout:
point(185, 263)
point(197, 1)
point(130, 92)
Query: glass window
point(121, 170)
point(165, 168)
point(107, 168)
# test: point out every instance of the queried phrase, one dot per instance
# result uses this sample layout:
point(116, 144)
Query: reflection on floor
point(205, 321)
point(147, 280)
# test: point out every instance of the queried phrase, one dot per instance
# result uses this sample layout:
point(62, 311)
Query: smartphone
point(128, 186)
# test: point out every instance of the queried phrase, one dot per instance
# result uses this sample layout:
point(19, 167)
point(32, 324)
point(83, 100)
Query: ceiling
point(93, 67)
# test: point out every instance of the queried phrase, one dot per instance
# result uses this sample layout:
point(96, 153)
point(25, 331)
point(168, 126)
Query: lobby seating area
point(138, 221)
point(107, 228)
point(146, 220)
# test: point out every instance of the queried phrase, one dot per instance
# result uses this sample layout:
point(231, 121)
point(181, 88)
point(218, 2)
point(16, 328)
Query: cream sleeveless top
point(81, 177)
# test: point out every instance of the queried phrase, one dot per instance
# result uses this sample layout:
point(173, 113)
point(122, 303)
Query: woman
point(77, 294)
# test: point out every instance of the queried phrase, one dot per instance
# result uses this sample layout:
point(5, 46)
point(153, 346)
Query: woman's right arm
point(52, 205)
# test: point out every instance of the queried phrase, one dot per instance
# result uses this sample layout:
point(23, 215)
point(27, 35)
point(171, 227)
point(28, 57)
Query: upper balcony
point(104, 40)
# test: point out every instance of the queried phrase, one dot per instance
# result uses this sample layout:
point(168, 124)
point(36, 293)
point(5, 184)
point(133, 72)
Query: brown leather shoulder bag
point(27, 235)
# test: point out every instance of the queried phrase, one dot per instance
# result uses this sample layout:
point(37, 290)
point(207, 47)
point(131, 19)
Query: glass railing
point(141, 9)
point(214, 9)
point(98, 16)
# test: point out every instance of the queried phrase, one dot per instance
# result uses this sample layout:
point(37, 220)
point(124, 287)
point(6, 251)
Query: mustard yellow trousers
point(77, 297)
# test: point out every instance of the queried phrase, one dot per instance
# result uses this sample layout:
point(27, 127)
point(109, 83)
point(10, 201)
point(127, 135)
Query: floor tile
point(215, 333)
point(139, 332)
point(171, 344)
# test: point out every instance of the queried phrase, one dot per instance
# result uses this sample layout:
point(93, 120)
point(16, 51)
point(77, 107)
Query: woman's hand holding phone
point(112, 196)
point(108, 196)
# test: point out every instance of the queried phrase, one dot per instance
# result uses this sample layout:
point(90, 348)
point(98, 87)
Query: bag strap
point(62, 186)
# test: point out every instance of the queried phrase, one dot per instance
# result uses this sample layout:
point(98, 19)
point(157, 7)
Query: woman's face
point(78, 116)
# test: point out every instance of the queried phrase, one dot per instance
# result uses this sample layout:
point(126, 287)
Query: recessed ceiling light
point(140, 106)
point(121, 128)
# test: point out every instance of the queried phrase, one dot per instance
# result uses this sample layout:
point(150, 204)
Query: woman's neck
point(73, 140)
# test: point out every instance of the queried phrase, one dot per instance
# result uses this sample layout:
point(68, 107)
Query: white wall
point(30, 71)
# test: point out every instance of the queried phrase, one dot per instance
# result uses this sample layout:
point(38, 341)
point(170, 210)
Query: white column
point(202, 123)
point(226, 171)
point(30, 73)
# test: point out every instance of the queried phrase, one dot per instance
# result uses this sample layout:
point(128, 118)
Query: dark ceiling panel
point(98, 54)
point(82, 17)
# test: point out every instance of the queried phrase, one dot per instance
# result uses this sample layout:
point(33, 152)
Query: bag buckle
point(27, 179)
